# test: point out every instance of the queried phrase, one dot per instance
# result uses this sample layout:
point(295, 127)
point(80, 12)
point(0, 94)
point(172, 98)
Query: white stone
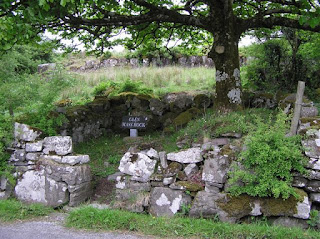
point(303, 209)
point(167, 181)
point(176, 203)
point(163, 159)
point(192, 155)
point(55, 158)
point(25, 133)
point(163, 200)
point(61, 145)
point(190, 169)
point(138, 165)
point(235, 96)
point(315, 197)
point(256, 209)
point(32, 156)
point(152, 153)
point(318, 142)
point(75, 159)
point(31, 188)
point(34, 147)
point(314, 163)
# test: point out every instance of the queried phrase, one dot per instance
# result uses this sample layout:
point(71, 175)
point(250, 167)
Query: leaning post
point(297, 108)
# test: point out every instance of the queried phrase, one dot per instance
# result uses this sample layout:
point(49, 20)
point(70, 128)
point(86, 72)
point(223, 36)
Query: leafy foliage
point(269, 161)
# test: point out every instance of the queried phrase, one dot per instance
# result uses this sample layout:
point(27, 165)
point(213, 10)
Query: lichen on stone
point(235, 96)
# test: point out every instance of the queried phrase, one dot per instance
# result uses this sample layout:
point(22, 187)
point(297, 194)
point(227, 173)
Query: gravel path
point(51, 227)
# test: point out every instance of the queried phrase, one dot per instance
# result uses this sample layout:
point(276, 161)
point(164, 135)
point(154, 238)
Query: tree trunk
point(225, 54)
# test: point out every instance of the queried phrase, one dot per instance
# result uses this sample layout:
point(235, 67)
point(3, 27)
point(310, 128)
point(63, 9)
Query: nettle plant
point(269, 161)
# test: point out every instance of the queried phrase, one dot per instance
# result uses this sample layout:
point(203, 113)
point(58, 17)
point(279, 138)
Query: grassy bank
point(91, 218)
point(11, 210)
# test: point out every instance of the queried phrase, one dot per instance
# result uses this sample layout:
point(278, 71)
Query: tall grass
point(161, 80)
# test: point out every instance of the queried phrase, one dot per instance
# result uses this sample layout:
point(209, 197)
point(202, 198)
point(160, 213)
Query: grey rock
point(167, 181)
point(60, 145)
point(138, 165)
point(256, 208)
point(72, 175)
point(218, 142)
point(152, 153)
point(167, 202)
point(290, 222)
point(79, 193)
point(55, 158)
point(18, 155)
point(191, 169)
point(176, 186)
point(313, 186)
point(313, 175)
point(34, 147)
point(215, 170)
point(192, 155)
point(32, 156)
point(56, 193)
point(157, 107)
point(311, 148)
point(232, 135)
point(3, 183)
point(178, 101)
point(5, 188)
point(31, 187)
point(99, 206)
point(309, 112)
point(299, 182)
point(137, 186)
point(314, 164)
point(163, 159)
point(315, 197)
point(122, 182)
point(113, 177)
point(75, 159)
point(23, 132)
point(134, 201)
point(156, 184)
point(206, 205)
point(303, 209)
point(211, 189)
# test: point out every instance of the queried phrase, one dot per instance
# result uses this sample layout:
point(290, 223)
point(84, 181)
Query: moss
point(226, 150)
point(190, 186)
point(201, 101)
point(314, 121)
point(236, 206)
point(182, 176)
point(173, 168)
point(280, 207)
point(157, 177)
point(185, 117)
point(63, 102)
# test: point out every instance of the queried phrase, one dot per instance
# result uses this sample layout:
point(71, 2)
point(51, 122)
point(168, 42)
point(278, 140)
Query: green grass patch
point(14, 210)
point(91, 218)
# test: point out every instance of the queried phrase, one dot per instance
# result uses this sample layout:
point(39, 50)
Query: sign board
point(134, 122)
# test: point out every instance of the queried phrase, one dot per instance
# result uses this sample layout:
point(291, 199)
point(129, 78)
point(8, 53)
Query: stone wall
point(46, 170)
point(104, 115)
point(191, 61)
point(195, 181)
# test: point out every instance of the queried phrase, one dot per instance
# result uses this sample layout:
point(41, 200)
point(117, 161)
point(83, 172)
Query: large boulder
point(167, 202)
point(178, 102)
point(192, 155)
point(131, 200)
point(138, 165)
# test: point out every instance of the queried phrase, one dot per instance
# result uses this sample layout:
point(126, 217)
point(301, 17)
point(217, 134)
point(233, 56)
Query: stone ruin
point(191, 61)
point(46, 170)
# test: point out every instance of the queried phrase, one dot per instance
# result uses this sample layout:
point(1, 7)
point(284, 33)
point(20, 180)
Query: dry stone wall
point(46, 170)
point(195, 181)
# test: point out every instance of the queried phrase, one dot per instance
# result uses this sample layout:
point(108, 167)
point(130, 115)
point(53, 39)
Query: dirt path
point(51, 227)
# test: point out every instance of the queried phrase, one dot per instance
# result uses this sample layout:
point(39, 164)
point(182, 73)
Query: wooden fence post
point(297, 108)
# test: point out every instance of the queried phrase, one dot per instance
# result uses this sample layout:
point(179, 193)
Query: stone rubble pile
point(195, 181)
point(46, 171)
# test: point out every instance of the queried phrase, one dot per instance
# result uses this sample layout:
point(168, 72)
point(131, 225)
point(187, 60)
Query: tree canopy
point(219, 23)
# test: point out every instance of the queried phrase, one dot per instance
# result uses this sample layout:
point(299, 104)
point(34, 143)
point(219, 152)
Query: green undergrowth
point(95, 219)
point(14, 210)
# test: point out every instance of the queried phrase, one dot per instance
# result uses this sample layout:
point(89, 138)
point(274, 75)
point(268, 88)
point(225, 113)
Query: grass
point(91, 218)
point(161, 80)
point(14, 210)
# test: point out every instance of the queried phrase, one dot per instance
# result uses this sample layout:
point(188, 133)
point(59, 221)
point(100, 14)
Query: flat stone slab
point(192, 155)
point(60, 145)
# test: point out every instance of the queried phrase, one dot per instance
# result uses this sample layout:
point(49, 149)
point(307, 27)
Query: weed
point(314, 218)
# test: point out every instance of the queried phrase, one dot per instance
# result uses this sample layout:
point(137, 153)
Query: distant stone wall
point(104, 115)
point(46, 170)
point(191, 61)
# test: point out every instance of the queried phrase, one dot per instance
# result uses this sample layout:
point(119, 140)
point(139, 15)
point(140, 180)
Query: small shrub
point(314, 218)
point(268, 161)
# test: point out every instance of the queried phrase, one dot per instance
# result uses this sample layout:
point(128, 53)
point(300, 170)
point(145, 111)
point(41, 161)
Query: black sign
point(134, 122)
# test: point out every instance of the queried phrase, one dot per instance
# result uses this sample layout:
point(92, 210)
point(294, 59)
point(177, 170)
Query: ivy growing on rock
point(268, 162)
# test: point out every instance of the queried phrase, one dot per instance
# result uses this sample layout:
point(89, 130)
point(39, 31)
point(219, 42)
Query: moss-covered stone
point(185, 117)
point(314, 121)
point(157, 177)
point(280, 207)
point(202, 101)
point(181, 175)
point(237, 207)
point(190, 186)
point(173, 168)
